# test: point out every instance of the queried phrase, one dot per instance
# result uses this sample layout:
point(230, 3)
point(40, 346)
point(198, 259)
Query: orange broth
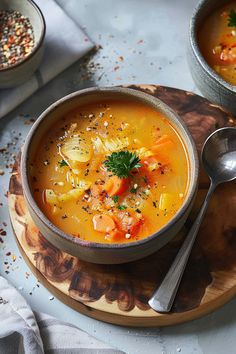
point(75, 195)
point(217, 42)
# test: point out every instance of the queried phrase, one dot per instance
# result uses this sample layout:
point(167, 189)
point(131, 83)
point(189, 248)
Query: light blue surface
point(119, 26)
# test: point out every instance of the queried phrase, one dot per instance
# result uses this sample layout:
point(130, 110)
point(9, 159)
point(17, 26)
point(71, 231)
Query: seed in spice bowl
point(16, 38)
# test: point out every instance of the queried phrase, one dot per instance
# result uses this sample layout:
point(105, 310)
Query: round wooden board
point(119, 293)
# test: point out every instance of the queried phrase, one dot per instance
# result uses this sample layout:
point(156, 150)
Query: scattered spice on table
point(16, 38)
point(3, 232)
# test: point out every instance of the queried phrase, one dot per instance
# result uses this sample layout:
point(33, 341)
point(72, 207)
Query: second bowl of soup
point(212, 52)
point(109, 174)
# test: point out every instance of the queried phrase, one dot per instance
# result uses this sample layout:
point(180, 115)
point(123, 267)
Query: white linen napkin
point(23, 332)
point(64, 44)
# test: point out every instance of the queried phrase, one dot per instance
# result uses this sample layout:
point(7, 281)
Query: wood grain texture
point(119, 293)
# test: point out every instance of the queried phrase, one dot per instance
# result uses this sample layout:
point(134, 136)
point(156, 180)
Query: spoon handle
point(164, 296)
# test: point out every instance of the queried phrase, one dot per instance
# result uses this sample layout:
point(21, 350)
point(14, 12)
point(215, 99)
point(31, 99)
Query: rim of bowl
point(38, 45)
point(195, 47)
point(147, 99)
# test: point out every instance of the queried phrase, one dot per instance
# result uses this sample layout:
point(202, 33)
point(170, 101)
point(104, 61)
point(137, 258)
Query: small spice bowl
point(106, 253)
point(212, 86)
point(26, 60)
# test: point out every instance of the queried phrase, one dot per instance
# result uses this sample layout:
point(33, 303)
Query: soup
point(110, 172)
point(217, 41)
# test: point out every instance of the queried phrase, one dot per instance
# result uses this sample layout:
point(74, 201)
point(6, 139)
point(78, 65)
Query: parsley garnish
point(62, 163)
point(232, 18)
point(122, 163)
point(115, 198)
point(133, 190)
point(122, 207)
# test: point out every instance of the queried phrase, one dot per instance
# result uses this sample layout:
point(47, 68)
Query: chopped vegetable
point(50, 196)
point(115, 235)
point(151, 163)
point(128, 222)
point(109, 145)
point(73, 179)
point(122, 163)
point(96, 190)
point(103, 223)
point(115, 186)
point(144, 152)
point(71, 195)
point(76, 149)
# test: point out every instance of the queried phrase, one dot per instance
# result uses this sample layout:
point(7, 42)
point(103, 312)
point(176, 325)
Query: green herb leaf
point(122, 163)
point(133, 190)
point(232, 18)
point(62, 163)
point(122, 207)
point(115, 198)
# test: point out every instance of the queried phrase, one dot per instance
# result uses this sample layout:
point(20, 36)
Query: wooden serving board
point(119, 293)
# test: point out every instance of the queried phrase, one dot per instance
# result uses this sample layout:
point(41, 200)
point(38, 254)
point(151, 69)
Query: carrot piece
point(116, 186)
point(152, 165)
point(115, 235)
point(103, 223)
point(128, 222)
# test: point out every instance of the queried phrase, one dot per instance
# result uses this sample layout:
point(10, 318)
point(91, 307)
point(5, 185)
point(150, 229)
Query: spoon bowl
point(219, 155)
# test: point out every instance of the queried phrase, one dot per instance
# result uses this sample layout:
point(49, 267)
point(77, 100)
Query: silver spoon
point(219, 161)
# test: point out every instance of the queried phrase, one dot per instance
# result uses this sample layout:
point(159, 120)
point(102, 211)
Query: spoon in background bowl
point(219, 162)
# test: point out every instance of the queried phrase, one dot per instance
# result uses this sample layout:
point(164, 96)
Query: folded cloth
point(64, 44)
point(23, 332)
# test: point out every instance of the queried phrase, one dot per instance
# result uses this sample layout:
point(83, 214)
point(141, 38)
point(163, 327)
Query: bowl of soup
point(212, 51)
point(109, 174)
